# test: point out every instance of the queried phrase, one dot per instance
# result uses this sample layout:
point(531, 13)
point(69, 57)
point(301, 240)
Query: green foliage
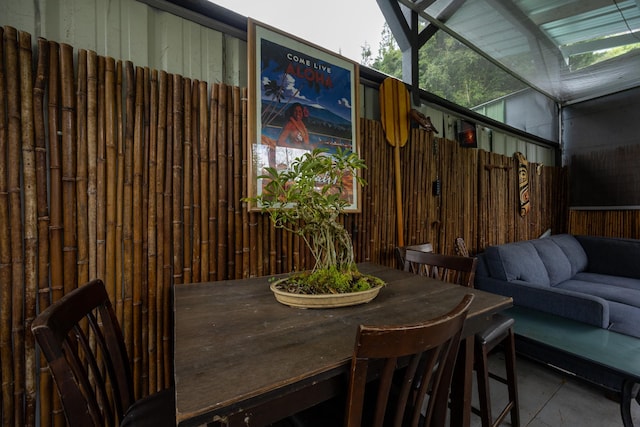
point(330, 281)
point(577, 62)
point(307, 199)
point(456, 73)
point(449, 69)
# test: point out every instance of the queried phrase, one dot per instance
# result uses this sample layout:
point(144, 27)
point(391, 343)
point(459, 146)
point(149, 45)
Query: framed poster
point(301, 97)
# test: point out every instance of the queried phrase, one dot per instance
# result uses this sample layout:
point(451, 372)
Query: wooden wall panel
point(143, 186)
point(609, 223)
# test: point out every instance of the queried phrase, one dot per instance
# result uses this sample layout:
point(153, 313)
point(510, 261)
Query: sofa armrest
point(572, 305)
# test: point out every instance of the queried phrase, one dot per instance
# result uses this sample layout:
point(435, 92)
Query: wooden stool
point(500, 331)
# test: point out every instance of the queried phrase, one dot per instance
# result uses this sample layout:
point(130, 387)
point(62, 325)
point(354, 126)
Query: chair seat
point(158, 409)
point(496, 331)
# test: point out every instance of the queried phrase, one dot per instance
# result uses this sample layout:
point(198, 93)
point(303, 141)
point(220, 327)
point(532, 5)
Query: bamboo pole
point(228, 182)
point(177, 170)
point(92, 159)
point(111, 175)
point(255, 251)
point(82, 201)
point(168, 218)
point(236, 158)
point(152, 224)
point(90, 123)
point(204, 182)
point(83, 215)
point(370, 240)
point(359, 241)
point(30, 222)
point(213, 182)
point(246, 219)
point(144, 291)
point(68, 126)
point(196, 259)
point(278, 249)
point(374, 206)
point(125, 212)
point(223, 202)
point(137, 210)
point(15, 219)
point(45, 385)
point(6, 358)
point(101, 173)
point(55, 197)
point(261, 251)
point(187, 182)
point(161, 152)
point(273, 248)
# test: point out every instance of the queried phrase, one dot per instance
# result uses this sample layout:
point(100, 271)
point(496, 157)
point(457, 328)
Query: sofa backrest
point(516, 261)
point(573, 251)
point(555, 261)
point(547, 261)
point(612, 256)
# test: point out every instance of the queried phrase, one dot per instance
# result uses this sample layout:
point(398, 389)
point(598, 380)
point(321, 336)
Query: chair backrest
point(402, 250)
point(81, 339)
point(449, 268)
point(461, 247)
point(429, 351)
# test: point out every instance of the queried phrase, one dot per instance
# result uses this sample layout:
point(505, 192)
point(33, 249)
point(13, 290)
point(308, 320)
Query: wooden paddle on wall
point(394, 113)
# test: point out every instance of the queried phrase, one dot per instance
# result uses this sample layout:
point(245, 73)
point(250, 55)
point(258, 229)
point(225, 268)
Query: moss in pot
point(307, 200)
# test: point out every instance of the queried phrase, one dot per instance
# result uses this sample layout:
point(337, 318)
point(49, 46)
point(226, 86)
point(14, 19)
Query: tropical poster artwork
point(304, 100)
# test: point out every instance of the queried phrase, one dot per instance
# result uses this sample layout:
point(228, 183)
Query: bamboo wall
point(135, 176)
point(623, 223)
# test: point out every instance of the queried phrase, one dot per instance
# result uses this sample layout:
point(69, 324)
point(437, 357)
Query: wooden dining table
point(243, 359)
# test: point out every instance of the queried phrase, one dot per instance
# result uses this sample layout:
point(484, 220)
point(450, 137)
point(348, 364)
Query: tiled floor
point(549, 398)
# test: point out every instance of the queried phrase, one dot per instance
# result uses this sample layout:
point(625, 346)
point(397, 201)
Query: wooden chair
point(81, 339)
point(401, 250)
point(460, 269)
point(430, 348)
point(449, 268)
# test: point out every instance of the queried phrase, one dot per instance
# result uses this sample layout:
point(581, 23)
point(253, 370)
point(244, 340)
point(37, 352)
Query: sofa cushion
point(573, 250)
point(516, 261)
point(554, 259)
point(608, 292)
point(623, 282)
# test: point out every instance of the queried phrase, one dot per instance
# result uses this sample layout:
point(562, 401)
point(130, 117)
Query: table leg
point(461, 386)
point(630, 390)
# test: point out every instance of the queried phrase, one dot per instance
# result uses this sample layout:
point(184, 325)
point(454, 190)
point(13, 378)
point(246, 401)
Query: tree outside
point(448, 69)
point(456, 73)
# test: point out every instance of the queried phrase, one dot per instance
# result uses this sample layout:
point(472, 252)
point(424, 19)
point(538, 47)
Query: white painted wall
point(132, 31)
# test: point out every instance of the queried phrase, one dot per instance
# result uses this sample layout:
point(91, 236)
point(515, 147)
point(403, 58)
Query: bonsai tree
point(307, 199)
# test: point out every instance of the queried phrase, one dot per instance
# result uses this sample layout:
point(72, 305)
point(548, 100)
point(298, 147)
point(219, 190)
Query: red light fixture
point(467, 134)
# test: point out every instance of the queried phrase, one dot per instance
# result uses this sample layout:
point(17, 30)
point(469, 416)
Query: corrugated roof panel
point(596, 24)
point(535, 38)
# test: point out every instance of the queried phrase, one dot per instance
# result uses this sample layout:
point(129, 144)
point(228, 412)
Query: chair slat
point(81, 339)
point(449, 268)
point(429, 349)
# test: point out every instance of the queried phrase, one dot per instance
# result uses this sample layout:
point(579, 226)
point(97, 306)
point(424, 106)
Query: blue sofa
point(586, 278)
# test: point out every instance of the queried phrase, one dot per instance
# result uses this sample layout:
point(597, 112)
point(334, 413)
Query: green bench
point(606, 358)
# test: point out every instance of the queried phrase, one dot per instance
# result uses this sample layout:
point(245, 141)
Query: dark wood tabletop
point(242, 358)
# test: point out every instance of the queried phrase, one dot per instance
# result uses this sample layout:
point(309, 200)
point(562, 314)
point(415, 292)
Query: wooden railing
point(136, 176)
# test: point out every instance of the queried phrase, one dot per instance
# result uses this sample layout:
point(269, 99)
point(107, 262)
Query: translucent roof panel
point(570, 50)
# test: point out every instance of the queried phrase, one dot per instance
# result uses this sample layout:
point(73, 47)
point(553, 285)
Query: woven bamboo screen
point(623, 223)
point(136, 176)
